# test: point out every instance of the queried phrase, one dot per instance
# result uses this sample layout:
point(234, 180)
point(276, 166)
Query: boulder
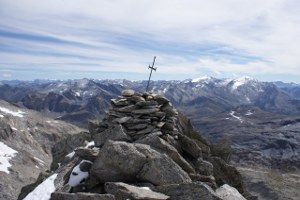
point(189, 146)
point(162, 146)
point(123, 191)
point(188, 191)
point(162, 171)
point(126, 162)
point(114, 132)
point(119, 161)
point(226, 192)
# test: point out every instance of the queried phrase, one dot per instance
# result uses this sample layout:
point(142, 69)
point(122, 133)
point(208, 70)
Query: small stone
point(127, 93)
point(160, 100)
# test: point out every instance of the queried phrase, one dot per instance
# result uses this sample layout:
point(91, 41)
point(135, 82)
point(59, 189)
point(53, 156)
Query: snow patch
point(70, 155)
point(16, 114)
point(236, 117)
point(43, 191)
point(77, 94)
point(6, 153)
point(204, 78)
point(91, 143)
point(13, 128)
point(249, 113)
point(241, 81)
point(77, 176)
point(226, 192)
point(145, 188)
point(1, 116)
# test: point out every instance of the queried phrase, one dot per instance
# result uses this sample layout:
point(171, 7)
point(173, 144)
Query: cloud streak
point(190, 38)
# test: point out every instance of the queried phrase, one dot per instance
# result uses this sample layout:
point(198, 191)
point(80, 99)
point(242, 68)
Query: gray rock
point(163, 147)
point(189, 146)
point(126, 109)
point(119, 161)
point(188, 191)
point(119, 102)
point(145, 111)
point(87, 153)
point(135, 99)
point(163, 170)
point(149, 129)
point(136, 126)
point(160, 99)
point(115, 132)
point(146, 103)
point(127, 93)
point(121, 120)
point(204, 167)
point(123, 191)
point(226, 192)
point(80, 196)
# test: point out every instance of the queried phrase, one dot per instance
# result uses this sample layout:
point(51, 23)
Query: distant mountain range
point(261, 120)
point(80, 100)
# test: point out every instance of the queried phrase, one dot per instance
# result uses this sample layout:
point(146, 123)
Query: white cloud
point(120, 33)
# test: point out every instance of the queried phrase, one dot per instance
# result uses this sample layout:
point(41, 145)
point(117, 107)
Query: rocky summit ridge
point(145, 149)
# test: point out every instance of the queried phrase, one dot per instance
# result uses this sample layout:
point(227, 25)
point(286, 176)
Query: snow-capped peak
point(241, 81)
point(204, 78)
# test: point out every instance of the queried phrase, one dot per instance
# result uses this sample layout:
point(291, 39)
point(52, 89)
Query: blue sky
point(116, 39)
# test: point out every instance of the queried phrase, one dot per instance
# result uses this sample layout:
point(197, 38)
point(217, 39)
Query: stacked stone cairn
point(144, 149)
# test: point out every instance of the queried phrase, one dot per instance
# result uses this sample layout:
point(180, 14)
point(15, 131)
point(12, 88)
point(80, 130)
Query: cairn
point(144, 149)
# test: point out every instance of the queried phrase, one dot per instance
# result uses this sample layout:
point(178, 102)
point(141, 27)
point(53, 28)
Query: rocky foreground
point(145, 149)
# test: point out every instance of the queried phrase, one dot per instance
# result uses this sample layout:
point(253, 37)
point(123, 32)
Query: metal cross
point(152, 68)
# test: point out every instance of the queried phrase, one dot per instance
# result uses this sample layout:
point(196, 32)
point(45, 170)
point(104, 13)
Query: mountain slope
point(26, 140)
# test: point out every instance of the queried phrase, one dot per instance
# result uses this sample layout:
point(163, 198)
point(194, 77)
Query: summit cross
point(152, 68)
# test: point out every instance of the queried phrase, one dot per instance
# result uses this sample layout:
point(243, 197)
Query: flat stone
point(135, 99)
point(121, 120)
point(123, 191)
point(119, 102)
point(80, 196)
point(188, 191)
point(136, 126)
point(127, 93)
point(126, 109)
point(149, 129)
point(146, 103)
point(145, 111)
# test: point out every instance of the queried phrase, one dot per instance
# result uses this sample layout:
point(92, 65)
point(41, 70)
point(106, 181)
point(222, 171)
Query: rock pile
point(144, 149)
